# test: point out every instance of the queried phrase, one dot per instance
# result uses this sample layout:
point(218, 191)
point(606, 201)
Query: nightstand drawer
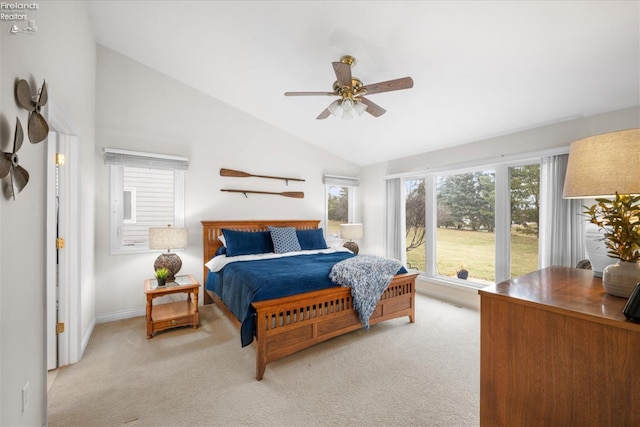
point(161, 325)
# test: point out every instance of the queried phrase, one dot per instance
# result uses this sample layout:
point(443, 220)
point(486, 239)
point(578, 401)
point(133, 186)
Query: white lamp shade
point(603, 165)
point(351, 231)
point(167, 238)
point(360, 107)
point(347, 107)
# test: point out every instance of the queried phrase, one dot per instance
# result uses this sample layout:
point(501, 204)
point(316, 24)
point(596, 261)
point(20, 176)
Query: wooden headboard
point(212, 229)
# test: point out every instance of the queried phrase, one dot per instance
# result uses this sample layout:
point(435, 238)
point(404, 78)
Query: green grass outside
point(475, 251)
point(333, 227)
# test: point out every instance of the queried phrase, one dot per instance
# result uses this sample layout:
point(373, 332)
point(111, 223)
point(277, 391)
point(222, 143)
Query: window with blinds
point(147, 190)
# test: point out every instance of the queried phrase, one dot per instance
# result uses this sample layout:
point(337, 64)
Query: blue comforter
point(239, 284)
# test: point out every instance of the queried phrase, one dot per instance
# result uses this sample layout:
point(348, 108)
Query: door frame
point(69, 349)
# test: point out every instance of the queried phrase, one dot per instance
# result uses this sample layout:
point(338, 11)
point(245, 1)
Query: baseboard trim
point(457, 295)
point(125, 314)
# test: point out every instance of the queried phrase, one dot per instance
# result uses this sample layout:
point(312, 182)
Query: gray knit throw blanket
point(367, 276)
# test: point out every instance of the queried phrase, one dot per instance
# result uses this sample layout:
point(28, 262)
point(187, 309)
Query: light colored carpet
point(395, 374)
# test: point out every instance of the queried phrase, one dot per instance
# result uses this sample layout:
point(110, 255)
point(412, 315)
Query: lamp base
point(352, 246)
point(171, 262)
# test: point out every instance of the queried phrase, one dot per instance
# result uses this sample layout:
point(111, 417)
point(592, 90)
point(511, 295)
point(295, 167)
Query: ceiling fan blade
point(42, 101)
point(309, 93)
point(38, 128)
point(326, 113)
point(372, 108)
point(18, 137)
point(23, 95)
point(397, 84)
point(19, 179)
point(343, 73)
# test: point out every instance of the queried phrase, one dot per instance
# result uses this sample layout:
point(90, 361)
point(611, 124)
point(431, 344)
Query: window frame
point(118, 159)
point(352, 183)
point(502, 263)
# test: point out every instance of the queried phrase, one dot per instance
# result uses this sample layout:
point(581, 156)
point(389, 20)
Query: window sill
point(457, 283)
point(451, 291)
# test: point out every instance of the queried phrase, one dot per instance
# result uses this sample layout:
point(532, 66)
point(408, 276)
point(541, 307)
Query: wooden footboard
point(287, 325)
point(290, 324)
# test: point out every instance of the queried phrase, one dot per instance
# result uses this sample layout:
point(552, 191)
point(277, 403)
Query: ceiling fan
point(351, 92)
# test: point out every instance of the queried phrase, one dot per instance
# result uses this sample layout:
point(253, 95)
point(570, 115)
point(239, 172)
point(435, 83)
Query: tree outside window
point(337, 211)
point(465, 223)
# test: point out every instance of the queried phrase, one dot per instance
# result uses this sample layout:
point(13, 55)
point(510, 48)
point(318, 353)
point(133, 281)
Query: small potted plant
point(463, 273)
point(619, 220)
point(161, 275)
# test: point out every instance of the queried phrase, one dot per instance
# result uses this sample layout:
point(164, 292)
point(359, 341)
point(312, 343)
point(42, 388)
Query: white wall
point(537, 139)
point(142, 110)
point(543, 138)
point(63, 53)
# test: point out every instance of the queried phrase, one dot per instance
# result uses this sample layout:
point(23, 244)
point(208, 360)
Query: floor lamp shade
point(350, 232)
point(603, 165)
point(168, 238)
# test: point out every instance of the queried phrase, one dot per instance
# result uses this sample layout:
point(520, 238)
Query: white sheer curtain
point(561, 220)
point(393, 225)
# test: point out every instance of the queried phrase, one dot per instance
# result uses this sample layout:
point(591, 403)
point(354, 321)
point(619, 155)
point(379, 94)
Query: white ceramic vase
point(621, 278)
point(597, 250)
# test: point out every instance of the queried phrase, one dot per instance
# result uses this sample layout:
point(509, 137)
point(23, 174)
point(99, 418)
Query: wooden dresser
point(556, 350)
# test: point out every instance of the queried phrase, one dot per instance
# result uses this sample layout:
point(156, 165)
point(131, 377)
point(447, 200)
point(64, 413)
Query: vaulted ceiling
point(480, 68)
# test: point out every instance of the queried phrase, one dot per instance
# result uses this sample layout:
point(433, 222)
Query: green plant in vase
point(619, 219)
point(161, 275)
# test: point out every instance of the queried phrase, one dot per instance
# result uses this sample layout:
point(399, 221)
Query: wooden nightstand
point(174, 314)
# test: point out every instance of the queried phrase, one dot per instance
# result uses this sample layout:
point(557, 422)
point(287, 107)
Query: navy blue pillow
point(247, 242)
point(311, 239)
point(221, 251)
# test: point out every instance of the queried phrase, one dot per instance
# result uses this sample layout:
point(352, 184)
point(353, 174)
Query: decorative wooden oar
point(294, 194)
point(240, 174)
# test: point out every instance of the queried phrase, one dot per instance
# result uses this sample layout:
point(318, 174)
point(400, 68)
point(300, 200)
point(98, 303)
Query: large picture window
point(147, 190)
point(480, 226)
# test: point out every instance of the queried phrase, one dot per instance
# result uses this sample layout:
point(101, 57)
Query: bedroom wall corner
point(141, 109)
point(372, 198)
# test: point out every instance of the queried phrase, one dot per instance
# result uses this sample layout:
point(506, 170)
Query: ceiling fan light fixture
point(360, 107)
point(347, 104)
point(347, 87)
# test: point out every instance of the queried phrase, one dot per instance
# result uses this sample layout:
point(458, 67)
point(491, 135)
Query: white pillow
point(221, 238)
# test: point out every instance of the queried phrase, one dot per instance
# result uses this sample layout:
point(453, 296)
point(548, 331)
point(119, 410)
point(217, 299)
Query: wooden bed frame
point(290, 324)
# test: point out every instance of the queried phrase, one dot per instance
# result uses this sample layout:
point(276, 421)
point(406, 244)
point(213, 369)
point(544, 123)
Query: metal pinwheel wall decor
point(9, 164)
point(38, 130)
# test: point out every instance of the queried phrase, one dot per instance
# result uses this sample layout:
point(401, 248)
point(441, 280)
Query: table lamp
point(168, 238)
point(605, 166)
point(350, 232)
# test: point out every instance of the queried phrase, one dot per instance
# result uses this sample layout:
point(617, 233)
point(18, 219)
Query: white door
point(62, 248)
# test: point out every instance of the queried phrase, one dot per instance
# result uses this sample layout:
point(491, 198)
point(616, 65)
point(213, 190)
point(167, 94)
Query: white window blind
point(341, 181)
point(113, 156)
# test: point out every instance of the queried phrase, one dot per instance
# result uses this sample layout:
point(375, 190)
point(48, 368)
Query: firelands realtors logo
point(18, 14)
